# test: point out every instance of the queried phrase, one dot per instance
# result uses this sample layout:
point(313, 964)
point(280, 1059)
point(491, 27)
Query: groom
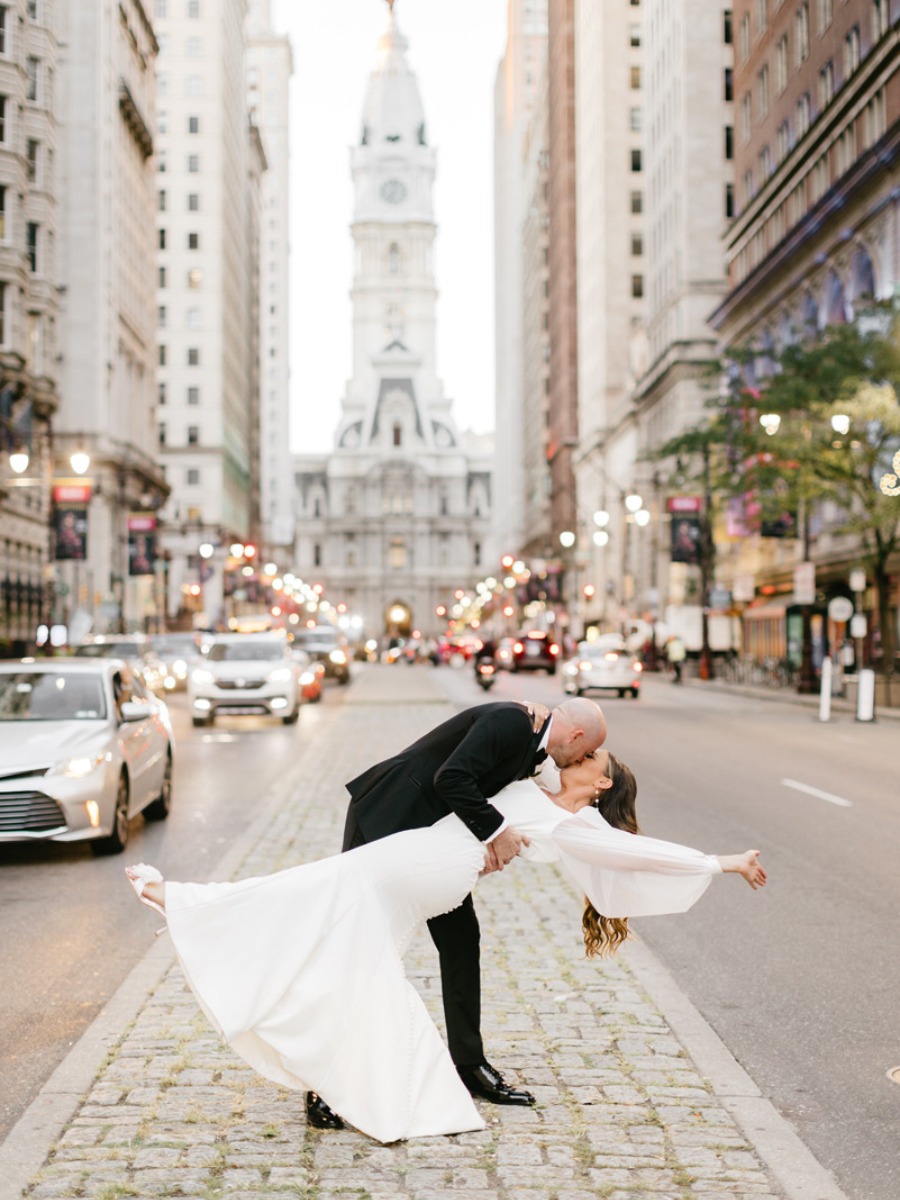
point(456, 768)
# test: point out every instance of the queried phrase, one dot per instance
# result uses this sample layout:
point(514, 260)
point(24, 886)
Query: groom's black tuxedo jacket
point(454, 768)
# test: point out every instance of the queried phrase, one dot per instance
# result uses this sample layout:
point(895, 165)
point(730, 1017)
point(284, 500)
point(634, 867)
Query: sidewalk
point(637, 1097)
point(840, 707)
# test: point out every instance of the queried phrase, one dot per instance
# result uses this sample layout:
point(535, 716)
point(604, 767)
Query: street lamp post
point(567, 540)
point(707, 550)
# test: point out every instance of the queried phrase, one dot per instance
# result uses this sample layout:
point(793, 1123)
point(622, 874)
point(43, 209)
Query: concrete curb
point(29, 1142)
point(839, 706)
point(785, 1156)
point(31, 1139)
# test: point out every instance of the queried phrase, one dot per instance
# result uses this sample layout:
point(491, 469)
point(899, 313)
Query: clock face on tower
point(393, 191)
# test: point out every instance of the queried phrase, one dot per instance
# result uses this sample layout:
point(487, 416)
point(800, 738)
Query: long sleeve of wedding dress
point(302, 971)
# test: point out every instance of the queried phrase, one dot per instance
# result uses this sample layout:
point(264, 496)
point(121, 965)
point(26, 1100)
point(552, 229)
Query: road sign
point(840, 608)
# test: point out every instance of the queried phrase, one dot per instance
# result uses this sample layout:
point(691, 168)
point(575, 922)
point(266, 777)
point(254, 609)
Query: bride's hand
point(538, 713)
point(746, 865)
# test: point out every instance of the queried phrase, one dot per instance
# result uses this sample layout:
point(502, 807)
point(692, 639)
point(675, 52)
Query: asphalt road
point(801, 981)
point(68, 928)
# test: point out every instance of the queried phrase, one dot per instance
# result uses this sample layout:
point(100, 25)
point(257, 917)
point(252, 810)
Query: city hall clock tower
point(398, 517)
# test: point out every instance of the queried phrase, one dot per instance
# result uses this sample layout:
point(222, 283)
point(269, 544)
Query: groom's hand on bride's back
point(503, 849)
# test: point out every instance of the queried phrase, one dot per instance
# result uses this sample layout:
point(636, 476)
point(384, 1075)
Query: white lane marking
point(804, 787)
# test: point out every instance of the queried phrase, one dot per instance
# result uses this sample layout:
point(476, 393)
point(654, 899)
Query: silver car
point(245, 673)
point(605, 665)
point(83, 748)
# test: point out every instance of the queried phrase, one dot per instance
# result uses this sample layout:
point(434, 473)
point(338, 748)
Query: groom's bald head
point(578, 729)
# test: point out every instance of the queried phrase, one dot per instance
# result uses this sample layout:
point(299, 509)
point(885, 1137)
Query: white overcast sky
point(455, 46)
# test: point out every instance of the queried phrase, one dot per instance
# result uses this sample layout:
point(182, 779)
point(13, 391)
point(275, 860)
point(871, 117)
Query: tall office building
point(105, 272)
point(269, 69)
point(207, 314)
point(536, 536)
point(520, 85)
point(29, 180)
point(814, 242)
point(611, 93)
point(563, 274)
point(689, 172)
point(817, 104)
point(398, 515)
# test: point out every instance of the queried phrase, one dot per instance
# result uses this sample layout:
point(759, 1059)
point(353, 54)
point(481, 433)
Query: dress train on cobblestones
point(302, 971)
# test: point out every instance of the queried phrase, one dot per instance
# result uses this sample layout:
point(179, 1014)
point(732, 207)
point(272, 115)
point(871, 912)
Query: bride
point(302, 972)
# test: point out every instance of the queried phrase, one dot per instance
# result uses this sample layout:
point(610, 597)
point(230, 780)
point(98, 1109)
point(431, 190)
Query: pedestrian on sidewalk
point(302, 971)
point(675, 654)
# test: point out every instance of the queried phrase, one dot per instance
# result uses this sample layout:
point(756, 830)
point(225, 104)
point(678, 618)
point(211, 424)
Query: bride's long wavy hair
point(616, 805)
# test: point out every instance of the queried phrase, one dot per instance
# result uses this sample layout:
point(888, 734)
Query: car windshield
point(51, 696)
point(245, 652)
point(110, 650)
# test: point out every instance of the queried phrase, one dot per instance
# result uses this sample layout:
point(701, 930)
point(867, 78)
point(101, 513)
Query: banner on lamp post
point(70, 519)
point(805, 583)
point(142, 544)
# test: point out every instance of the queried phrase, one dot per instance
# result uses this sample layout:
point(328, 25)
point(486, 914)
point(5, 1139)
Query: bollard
point(865, 695)
point(825, 693)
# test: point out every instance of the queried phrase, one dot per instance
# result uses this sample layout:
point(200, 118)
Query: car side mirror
point(135, 710)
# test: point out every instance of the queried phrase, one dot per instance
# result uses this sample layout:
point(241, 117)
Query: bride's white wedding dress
point(302, 971)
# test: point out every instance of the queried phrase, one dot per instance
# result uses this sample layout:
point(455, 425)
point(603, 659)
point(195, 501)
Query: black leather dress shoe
point(319, 1115)
point(486, 1081)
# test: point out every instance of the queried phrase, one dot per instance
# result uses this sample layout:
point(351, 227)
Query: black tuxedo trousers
point(456, 767)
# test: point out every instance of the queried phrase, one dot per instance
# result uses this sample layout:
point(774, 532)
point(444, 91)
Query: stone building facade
point(28, 315)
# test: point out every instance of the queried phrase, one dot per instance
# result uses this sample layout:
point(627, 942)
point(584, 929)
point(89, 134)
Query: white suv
point(245, 673)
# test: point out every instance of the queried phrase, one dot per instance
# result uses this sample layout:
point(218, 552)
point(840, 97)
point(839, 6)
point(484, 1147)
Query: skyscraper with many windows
point(207, 328)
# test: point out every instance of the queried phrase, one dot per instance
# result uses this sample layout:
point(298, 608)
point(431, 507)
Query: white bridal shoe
point(139, 876)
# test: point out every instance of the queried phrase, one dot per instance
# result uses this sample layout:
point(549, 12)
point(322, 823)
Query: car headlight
point(307, 678)
point(78, 768)
point(338, 657)
point(202, 676)
point(280, 675)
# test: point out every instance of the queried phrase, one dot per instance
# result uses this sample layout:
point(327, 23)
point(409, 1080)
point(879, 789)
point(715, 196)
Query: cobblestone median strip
point(622, 1111)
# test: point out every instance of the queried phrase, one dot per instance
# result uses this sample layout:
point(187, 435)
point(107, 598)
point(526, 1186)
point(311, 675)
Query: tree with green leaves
point(830, 428)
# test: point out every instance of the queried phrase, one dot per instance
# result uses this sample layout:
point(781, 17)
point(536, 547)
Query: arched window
point(835, 304)
point(394, 259)
point(863, 276)
point(809, 316)
point(398, 434)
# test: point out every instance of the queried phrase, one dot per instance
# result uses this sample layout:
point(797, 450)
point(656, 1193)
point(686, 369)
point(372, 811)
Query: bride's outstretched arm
point(590, 839)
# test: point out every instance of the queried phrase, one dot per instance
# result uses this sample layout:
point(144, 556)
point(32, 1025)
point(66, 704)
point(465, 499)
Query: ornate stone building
point(397, 517)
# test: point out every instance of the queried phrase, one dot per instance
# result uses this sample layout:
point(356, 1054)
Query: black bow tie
point(539, 758)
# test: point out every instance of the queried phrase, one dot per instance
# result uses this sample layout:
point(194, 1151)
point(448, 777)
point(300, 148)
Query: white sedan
point(605, 665)
point(246, 673)
point(83, 749)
